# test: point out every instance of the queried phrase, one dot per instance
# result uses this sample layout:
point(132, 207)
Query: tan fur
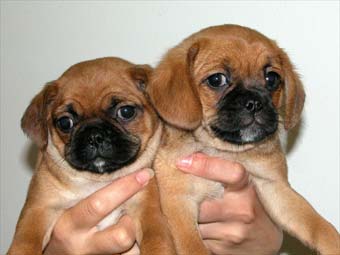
point(185, 102)
point(56, 186)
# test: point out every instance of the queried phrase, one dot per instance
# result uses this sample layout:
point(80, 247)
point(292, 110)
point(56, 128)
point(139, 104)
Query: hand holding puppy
point(74, 233)
point(228, 91)
point(93, 125)
point(236, 223)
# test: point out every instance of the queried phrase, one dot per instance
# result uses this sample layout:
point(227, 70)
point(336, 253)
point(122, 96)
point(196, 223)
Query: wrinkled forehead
point(95, 90)
point(236, 54)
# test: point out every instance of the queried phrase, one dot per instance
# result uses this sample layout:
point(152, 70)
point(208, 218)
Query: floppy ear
point(141, 74)
point(171, 89)
point(294, 94)
point(34, 120)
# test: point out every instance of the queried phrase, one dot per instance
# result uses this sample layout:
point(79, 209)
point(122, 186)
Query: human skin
point(235, 224)
point(76, 232)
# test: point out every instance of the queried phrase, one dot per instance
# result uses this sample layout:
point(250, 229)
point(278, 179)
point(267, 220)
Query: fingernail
point(144, 176)
point(185, 162)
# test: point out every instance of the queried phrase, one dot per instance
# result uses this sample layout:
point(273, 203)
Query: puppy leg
point(182, 217)
point(30, 232)
point(179, 203)
point(153, 234)
point(296, 216)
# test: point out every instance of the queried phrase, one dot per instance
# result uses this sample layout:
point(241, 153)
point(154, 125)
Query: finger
point(237, 206)
point(90, 211)
point(213, 168)
point(133, 251)
point(218, 247)
point(233, 232)
point(211, 211)
point(117, 238)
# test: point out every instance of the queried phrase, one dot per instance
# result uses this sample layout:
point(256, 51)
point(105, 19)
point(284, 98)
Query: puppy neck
point(207, 139)
point(62, 170)
point(204, 136)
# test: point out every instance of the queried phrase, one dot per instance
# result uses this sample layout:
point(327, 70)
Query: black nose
point(96, 138)
point(253, 105)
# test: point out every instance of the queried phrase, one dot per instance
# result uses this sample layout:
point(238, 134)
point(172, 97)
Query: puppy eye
point(273, 80)
point(217, 80)
point(127, 112)
point(65, 124)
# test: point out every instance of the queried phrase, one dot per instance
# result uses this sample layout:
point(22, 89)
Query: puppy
point(227, 91)
point(92, 125)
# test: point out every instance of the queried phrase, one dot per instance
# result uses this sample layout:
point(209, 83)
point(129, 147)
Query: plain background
point(40, 40)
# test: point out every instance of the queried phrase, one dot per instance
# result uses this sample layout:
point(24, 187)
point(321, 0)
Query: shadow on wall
point(293, 137)
point(292, 246)
point(31, 157)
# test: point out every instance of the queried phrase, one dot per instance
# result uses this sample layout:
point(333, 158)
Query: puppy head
point(95, 114)
point(232, 81)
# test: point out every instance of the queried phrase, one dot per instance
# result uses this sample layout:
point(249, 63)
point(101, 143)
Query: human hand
point(76, 233)
point(237, 223)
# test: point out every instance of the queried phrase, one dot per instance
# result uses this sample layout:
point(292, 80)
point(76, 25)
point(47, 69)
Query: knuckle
point(203, 163)
point(95, 207)
point(245, 215)
point(123, 239)
point(65, 240)
point(60, 233)
point(237, 172)
point(235, 236)
point(236, 240)
point(238, 237)
point(206, 166)
point(247, 210)
point(57, 235)
point(252, 193)
point(277, 240)
point(217, 248)
point(249, 216)
point(274, 240)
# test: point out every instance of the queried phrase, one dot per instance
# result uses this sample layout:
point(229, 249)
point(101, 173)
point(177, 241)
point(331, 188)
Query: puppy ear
point(141, 74)
point(294, 94)
point(34, 120)
point(172, 91)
